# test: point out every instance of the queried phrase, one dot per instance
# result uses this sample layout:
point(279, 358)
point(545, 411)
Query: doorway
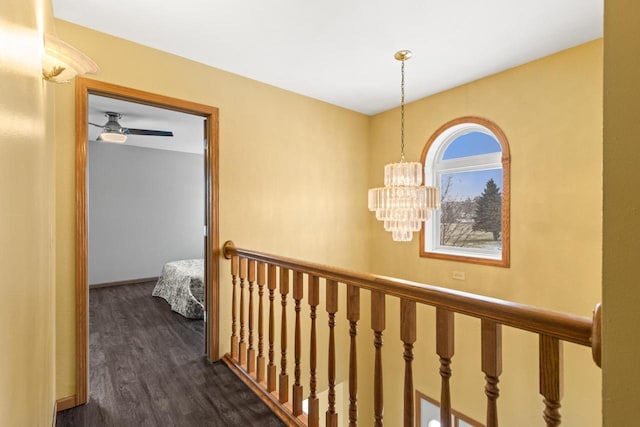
point(85, 88)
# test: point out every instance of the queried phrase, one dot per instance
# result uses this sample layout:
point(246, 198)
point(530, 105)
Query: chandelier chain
point(402, 114)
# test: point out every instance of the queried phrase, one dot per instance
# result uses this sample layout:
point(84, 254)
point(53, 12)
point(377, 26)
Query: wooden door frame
point(85, 87)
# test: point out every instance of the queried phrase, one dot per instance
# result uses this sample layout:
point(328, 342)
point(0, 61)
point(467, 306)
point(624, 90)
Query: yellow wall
point(621, 237)
point(551, 112)
point(27, 323)
point(292, 170)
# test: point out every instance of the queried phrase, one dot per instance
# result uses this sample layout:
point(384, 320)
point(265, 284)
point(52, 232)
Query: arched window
point(468, 159)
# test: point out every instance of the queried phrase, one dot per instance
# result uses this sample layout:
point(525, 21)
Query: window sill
point(467, 257)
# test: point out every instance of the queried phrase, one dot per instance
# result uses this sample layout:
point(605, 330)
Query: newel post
point(596, 335)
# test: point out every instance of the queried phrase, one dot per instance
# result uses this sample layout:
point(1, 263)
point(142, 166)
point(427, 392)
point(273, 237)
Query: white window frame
point(435, 167)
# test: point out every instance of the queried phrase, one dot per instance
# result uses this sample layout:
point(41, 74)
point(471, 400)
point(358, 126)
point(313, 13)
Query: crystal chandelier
point(403, 203)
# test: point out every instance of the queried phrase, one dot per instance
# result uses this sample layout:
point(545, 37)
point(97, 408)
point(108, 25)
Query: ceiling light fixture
point(62, 62)
point(116, 137)
point(112, 131)
point(403, 203)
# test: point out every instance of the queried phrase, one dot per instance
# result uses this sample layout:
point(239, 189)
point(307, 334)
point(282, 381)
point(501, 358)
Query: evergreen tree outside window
point(488, 206)
point(468, 159)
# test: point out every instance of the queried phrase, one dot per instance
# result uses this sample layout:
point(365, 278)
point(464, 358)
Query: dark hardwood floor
point(147, 368)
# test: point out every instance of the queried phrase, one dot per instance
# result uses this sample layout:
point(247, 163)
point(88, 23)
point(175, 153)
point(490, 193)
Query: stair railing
point(260, 372)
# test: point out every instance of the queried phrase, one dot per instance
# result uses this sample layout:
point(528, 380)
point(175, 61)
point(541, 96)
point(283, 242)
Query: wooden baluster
point(408, 336)
point(296, 390)
point(353, 315)
point(445, 349)
point(551, 387)
point(243, 345)
point(251, 352)
point(378, 326)
point(234, 304)
point(492, 367)
point(283, 384)
point(332, 309)
point(271, 367)
point(262, 272)
point(314, 300)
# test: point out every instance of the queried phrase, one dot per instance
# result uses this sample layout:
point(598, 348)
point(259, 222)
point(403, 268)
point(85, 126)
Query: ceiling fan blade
point(96, 125)
point(129, 131)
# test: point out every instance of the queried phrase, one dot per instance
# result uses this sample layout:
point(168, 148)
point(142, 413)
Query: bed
point(181, 284)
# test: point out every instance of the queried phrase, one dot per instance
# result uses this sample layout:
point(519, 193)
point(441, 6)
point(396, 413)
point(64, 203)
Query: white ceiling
point(188, 129)
point(341, 51)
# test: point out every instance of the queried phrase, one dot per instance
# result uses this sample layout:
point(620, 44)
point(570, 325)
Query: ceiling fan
point(112, 131)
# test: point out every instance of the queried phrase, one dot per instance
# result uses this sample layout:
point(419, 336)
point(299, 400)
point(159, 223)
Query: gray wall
point(146, 207)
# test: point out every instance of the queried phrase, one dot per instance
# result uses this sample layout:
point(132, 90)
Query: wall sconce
point(61, 62)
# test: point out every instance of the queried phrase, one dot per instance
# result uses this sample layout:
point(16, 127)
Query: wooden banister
point(563, 326)
point(353, 315)
point(332, 309)
point(297, 387)
point(242, 352)
point(251, 352)
point(283, 379)
point(408, 331)
point(234, 303)
point(378, 324)
point(491, 336)
point(314, 300)
point(249, 267)
point(551, 378)
point(262, 276)
point(445, 350)
point(271, 367)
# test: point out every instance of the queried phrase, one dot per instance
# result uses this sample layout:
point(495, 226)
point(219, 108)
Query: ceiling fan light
point(118, 138)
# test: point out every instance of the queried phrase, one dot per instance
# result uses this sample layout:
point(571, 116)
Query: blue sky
point(471, 144)
point(471, 184)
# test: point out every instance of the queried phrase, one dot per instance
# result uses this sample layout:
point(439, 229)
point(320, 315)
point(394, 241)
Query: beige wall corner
point(27, 322)
point(621, 228)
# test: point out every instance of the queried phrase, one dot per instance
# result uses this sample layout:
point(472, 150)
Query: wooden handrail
point(553, 329)
point(562, 326)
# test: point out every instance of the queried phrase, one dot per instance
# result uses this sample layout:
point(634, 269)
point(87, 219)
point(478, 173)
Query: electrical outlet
point(458, 275)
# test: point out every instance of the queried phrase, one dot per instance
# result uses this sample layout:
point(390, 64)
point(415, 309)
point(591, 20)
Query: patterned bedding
point(182, 286)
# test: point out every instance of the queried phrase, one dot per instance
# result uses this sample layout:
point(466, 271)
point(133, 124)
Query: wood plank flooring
point(147, 368)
